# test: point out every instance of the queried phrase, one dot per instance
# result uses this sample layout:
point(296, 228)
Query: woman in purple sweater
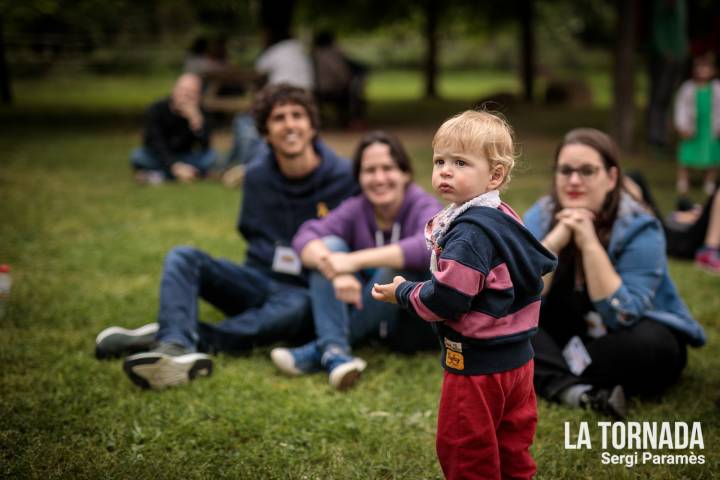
point(367, 239)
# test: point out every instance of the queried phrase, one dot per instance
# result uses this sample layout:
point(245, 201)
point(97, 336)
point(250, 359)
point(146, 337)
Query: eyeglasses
point(585, 171)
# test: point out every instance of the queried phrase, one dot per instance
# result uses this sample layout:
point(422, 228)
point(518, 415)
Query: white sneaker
point(284, 361)
point(159, 370)
point(149, 177)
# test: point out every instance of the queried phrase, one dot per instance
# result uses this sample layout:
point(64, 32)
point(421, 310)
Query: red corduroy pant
point(486, 424)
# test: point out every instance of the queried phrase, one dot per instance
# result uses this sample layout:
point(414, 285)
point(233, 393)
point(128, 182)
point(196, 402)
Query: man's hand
point(190, 110)
point(348, 289)
point(335, 264)
point(386, 293)
point(184, 172)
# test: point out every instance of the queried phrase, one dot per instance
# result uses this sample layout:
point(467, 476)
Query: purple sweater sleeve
point(338, 222)
point(415, 251)
point(350, 222)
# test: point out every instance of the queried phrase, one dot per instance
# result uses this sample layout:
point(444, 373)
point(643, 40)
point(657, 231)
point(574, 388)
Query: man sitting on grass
point(176, 141)
point(266, 298)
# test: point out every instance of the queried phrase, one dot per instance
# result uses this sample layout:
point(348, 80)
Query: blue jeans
point(339, 324)
point(259, 308)
point(143, 159)
point(247, 142)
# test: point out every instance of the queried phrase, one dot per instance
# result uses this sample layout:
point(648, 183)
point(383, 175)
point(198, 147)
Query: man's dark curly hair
point(280, 94)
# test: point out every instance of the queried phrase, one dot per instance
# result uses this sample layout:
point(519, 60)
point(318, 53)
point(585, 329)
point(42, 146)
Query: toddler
point(697, 119)
point(484, 300)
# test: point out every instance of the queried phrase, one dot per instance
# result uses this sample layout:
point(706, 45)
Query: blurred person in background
point(368, 239)
point(264, 299)
point(697, 120)
point(692, 233)
point(176, 139)
point(612, 322)
point(284, 60)
point(339, 80)
point(200, 61)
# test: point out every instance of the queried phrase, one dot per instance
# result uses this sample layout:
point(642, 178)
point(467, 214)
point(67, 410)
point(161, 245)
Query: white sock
point(571, 395)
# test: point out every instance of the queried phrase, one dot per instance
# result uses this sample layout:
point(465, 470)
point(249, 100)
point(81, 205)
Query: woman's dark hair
point(397, 151)
point(280, 94)
point(610, 154)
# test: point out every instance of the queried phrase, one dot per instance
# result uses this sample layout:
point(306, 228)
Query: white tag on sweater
point(286, 260)
point(576, 355)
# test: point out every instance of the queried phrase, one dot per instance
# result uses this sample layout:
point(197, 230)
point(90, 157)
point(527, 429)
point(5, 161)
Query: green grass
point(84, 91)
point(86, 246)
point(408, 85)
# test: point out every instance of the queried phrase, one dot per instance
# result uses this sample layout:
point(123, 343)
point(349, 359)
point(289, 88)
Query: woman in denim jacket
point(612, 321)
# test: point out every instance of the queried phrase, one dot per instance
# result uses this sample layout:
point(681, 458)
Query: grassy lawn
point(86, 247)
point(133, 92)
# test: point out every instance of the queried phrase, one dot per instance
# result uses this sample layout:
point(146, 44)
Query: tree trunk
point(623, 111)
point(527, 53)
point(431, 22)
point(5, 90)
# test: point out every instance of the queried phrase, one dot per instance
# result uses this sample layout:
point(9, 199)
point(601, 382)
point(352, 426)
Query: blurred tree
point(227, 16)
point(101, 21)
point(430, 18)
point(362, 15)
point(432, 13)
point(5, 91)
point(53, 29)
point(515, 14)
point(623, 108)
point(667, 51)
point(527, 47)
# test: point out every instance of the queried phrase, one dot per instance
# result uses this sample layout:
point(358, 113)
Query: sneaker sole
point(115, 341)
point(284, 361)
point(345, 376)
point(158, 371)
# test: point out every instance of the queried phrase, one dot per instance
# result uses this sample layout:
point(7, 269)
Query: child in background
point(697, 119)
point(484, 297)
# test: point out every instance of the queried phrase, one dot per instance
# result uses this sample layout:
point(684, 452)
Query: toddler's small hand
point(386, 292)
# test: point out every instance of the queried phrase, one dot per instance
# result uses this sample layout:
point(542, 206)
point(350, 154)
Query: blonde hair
point(479, 131)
